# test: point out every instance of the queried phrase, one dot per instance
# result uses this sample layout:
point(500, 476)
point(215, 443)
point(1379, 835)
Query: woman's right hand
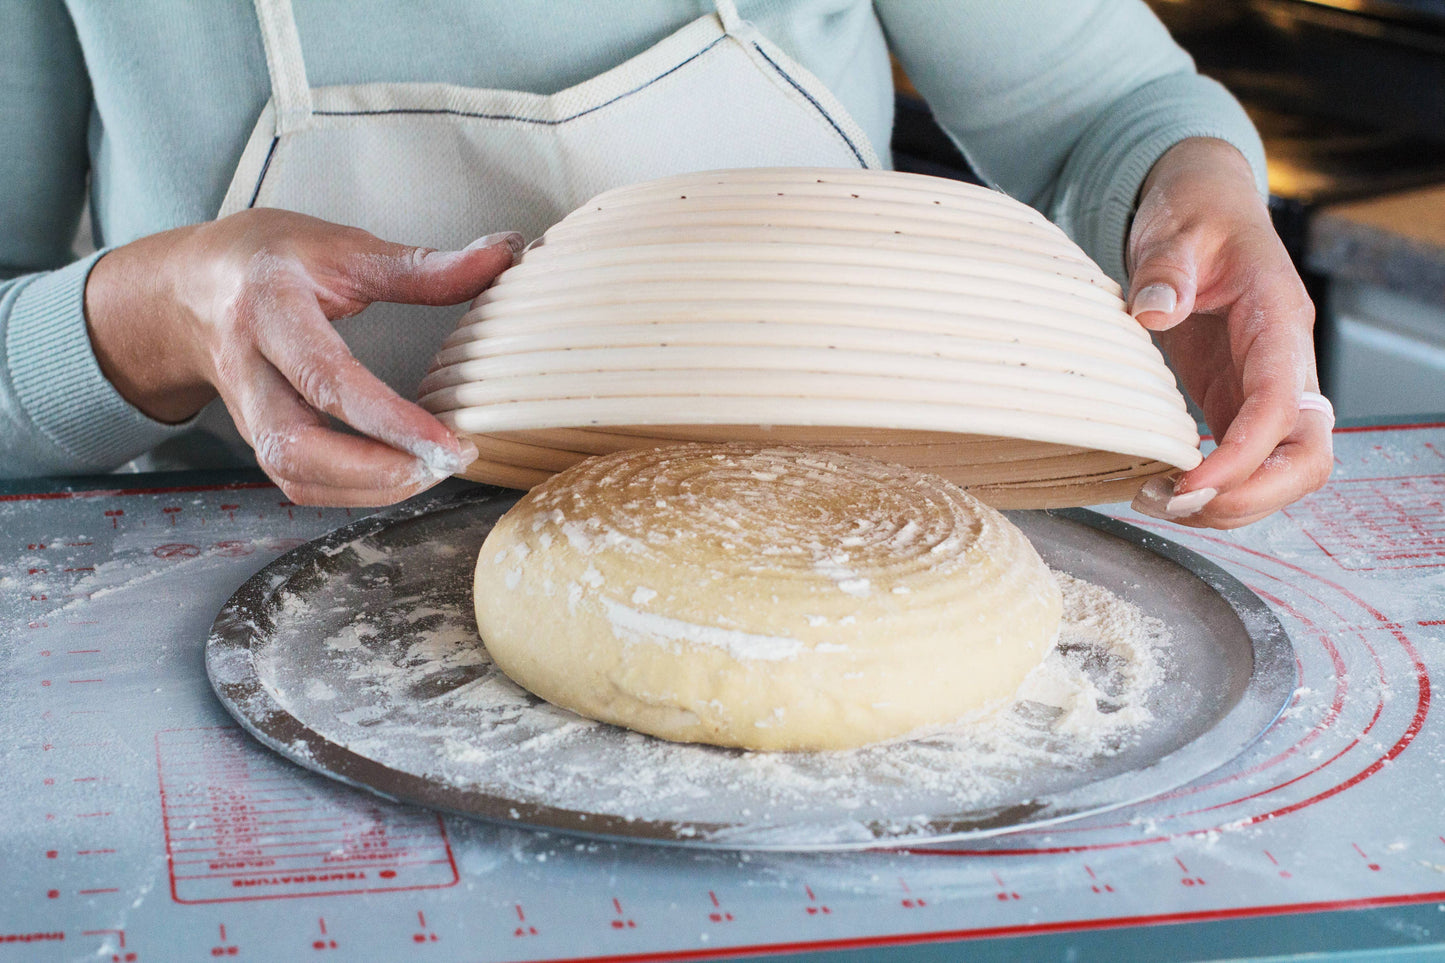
point(243, 307)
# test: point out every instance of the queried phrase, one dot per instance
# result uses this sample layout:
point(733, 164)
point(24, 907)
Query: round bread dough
point(766, 598)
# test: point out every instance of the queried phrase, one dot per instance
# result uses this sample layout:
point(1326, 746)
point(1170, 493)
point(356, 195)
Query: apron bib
point(440, 165)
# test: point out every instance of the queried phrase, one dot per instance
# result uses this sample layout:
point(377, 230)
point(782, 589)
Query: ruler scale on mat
point(143, 825)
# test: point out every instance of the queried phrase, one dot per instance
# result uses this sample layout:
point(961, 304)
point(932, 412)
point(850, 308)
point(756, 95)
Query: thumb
point(417, 275)
point(1163, 284)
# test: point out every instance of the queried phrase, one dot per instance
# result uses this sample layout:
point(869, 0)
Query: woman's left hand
point(1208, 272)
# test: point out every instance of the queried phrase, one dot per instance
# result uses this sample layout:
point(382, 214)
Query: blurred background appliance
point(1349, 96)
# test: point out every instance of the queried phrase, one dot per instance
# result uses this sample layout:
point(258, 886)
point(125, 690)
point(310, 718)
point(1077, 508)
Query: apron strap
point(290, 93)
point(727, 12)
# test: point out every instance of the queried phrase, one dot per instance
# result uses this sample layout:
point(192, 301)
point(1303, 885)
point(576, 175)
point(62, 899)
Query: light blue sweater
point(1065, 104)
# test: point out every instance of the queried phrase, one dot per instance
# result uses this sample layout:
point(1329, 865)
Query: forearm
point(1096, 193)
point(59, 414)
point(1065, 104)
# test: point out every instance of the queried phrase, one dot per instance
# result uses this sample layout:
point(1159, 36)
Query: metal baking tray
point(356, 656)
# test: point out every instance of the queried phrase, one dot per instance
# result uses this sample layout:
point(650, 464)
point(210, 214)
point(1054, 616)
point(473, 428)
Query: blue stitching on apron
point(799, 88)
point(265, 166)
point(526, 120)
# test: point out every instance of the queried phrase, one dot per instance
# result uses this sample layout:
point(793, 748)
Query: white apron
point(440, 165)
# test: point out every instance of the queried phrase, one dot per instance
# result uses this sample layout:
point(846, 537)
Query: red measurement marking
point(232, 548)
point(248, 829)
point(81, 651)
point(175, 550)
point(325, 943)
point(122, 957)
point(90, 815)
point(1364, 524)
point(225, 948)
point(910, 901)
point(1097, 885)
point(90, 892)
point(82, 681)
point(54, 937)
point(816, 908)
point(718, 915)
point(1188, 880)
point(1004, 894)
point(1284, 873)
point(1374, 867)
point(426, 936)
point(78, 544)
point(81, 568)
point(1433, 622)
point(621, 923)
point(93, 852)
point(523, 928)
point(118, 492)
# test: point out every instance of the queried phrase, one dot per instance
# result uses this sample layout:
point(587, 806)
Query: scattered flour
point(381, 656)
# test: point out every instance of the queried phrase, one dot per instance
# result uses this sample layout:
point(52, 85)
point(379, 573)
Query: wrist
point(1201, 160)
point(136, 330)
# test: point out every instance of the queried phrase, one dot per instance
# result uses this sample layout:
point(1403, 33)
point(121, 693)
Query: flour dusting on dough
point(409, 686)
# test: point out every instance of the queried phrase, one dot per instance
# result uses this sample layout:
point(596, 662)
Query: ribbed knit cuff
point(58, 381)
point(1106, 169)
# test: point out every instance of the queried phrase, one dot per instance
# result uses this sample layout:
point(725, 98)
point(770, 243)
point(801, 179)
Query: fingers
point(313, 358)
point(383, 271)
point(269, 285)
point(1272, 349)
point(1209, 273)
point(1164, 282)
point(1299, 465)
point(313, 463)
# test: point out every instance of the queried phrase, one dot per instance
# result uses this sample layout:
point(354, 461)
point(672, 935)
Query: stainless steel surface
point(408, 572)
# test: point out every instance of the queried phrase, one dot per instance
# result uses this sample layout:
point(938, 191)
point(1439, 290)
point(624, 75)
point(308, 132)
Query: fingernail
point(1156, 499)
point(512, 239)
point(1154, 297)
point(1153, 497)
point(468, 454)
point(1190, 503)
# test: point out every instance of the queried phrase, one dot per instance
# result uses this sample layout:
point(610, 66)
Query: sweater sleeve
point(58, 413)
point(1064, 104)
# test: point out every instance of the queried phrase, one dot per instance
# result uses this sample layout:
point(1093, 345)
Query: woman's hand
point(1209, 273)
point(243, 307)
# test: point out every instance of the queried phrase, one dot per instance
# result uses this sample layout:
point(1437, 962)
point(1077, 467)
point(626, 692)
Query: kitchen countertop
point(142, 824)
point(1395, 241)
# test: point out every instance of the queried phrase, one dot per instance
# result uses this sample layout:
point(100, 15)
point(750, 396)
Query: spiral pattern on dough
point(777, 598)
